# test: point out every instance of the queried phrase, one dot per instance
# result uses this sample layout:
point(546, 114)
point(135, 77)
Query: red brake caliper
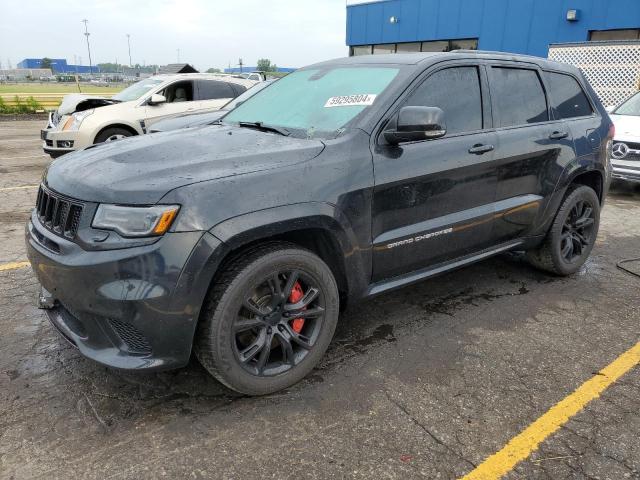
point(295, 297)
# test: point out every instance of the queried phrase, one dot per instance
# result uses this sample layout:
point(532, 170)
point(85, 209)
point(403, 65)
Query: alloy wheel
point(115, 137)
point(279, 323)
point(577, 231)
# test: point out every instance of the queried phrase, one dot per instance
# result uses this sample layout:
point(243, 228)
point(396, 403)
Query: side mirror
point(156, 99)
point(413, 124)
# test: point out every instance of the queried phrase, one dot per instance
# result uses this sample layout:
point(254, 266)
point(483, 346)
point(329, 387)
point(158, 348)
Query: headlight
point(74, 121)
point(135, 221)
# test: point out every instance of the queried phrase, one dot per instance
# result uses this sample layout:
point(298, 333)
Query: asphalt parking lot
point(426, 382)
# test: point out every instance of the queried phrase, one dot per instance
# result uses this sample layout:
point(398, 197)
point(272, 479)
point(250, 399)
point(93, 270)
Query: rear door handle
point(558, 135)
point(480, 149)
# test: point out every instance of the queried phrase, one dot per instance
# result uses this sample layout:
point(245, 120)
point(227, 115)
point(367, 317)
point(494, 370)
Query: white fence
point(612, 68)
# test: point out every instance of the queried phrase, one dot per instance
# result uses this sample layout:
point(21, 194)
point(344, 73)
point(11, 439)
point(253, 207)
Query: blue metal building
point(58, 65)
point(519, 26)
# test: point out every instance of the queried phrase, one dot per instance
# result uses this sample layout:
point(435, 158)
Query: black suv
point(243, 240)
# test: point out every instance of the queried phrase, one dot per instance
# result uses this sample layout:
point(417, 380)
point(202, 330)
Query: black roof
point(422, 57)
point(178, 68)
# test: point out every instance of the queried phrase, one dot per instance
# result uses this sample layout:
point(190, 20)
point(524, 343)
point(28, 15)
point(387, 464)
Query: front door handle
point(558, 135)
point(479, 149)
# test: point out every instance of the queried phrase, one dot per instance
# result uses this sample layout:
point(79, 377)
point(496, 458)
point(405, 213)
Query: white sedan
point(625, 155)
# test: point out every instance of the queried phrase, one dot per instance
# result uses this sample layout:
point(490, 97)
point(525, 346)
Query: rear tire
point(247, 337)
point(572, 235)
point(112, 134)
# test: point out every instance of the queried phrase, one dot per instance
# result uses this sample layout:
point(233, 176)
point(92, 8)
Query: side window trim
point(420, 79)
point(193, 91)
point(594, 110)
point(519, 66)
point(488, 120)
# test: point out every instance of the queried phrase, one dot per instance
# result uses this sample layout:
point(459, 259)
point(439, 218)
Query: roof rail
point(492, 52)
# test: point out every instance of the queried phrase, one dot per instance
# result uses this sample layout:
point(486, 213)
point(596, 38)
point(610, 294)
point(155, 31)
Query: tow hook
point(46, 300)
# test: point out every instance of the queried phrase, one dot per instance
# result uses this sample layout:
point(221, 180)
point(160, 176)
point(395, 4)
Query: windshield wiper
point(265, 128)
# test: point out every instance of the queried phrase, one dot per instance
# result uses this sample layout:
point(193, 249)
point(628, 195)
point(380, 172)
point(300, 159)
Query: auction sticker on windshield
point(363, 99)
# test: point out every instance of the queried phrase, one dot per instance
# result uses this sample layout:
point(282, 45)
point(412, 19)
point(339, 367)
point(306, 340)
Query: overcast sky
point(209, 33)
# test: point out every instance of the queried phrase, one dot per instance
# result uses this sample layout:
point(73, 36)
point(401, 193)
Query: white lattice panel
point(613, 70)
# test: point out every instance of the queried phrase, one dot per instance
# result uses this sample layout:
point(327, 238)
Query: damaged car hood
point(78, 102)
point(141, 170)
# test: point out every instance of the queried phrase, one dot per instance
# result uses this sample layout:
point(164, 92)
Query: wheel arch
point(318, 227)
point(123, 126)
point(574, 174)
point(591, 178)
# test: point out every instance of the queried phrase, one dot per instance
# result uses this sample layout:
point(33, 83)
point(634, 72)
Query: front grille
point(58, 214)
point(134, 341)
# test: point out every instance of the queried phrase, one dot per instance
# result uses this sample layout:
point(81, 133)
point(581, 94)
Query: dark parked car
point(343, 180)
point(206, 118)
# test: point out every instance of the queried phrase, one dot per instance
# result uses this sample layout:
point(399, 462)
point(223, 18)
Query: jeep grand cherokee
point(243, 240)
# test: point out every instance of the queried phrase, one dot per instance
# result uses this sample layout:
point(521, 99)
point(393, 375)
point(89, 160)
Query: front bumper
point(58, 142)
point(133, 308)
point(628, 170)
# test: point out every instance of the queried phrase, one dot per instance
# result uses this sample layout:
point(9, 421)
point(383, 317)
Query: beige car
point(83, 120)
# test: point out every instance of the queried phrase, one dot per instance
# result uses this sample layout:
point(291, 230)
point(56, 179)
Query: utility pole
point(240, 63)
point(129, 44)
point(86, 34)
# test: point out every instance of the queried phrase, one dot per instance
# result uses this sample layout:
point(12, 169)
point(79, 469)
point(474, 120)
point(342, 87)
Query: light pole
point(86, 34)
point(129, 44)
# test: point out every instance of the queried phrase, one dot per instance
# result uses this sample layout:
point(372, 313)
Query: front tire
point(112, 134)
point(572, 235)
point(268, 319)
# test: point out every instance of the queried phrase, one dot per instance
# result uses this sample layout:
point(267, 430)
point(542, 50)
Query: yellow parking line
point(13, 266)
point(524, 444)
point(23, 187)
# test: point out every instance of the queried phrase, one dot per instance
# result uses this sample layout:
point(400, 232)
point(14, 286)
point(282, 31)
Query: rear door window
point(518, 97)
point(214, 90)
point(568, 99)
point(456, 91)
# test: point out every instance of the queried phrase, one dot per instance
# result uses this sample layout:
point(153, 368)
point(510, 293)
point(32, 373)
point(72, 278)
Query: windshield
point(315, 102)
point(630, 107)
point(137, 90)
point(246, 95)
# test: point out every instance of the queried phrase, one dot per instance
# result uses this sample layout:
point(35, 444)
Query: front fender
point(263, 224)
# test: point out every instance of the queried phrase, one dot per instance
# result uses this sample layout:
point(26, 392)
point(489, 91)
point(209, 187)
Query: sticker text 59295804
point(363, 99)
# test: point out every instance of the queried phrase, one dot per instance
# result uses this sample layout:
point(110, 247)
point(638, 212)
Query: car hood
point(627, 127)
point(77, 102)
point(141, 170)
point(184, 121)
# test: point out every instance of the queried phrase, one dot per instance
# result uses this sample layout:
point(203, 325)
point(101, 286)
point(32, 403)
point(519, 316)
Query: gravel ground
point(425, 382)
